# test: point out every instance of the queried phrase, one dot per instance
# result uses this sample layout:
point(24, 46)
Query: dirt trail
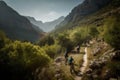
point(84, 65)
point(59, 60)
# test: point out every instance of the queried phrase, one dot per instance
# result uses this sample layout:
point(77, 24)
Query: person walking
point(66, 57)
point(71, 63)
point(78, 48)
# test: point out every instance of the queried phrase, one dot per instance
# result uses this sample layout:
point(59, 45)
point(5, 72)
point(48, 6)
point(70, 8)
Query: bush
point(19, 61)
point(47, 40)
point(65, 42)
point(80, 35)
point(112, 32)
point(114, 68)
point(93, 31)
point(52, 50)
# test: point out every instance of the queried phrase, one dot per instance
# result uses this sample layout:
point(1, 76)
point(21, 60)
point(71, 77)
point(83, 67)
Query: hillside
point(85, 46)
point(16, 26)
point(80, 12)
point(98, 30)
point(47, 26)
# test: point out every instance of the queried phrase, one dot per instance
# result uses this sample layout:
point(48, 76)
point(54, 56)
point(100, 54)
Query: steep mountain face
point(86, 8)
point(16, 26)
point(34, 21)
point(79, 12)
point(47, 26)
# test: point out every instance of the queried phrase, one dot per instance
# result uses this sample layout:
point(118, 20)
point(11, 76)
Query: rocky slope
point(16, 26)
point(103, 62)
point(47, 26)
point(87, 8)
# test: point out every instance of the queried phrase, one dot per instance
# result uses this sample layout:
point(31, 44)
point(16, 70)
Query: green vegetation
point(26, 61)
point(47, 40)
point(65, 42)
point(114, 68)
point(20, 60)
point(112, 31)
point(51, 50)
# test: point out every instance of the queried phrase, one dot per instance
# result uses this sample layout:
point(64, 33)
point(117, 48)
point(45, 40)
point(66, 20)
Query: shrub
point(112, 31)
point(47, 40)
point(52, 50)
point(80, 35)
point(93, 31)
point(65, 42)
point(19, 60)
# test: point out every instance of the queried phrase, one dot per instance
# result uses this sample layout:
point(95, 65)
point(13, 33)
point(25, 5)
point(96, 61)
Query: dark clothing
point(66, 57)
point(70, 62)
point(78, 48)
point(72, 69)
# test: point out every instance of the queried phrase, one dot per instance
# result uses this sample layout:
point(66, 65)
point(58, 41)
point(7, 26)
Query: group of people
point(70, 61)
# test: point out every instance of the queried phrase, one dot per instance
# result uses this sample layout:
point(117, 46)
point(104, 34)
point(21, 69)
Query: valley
point(89, 35)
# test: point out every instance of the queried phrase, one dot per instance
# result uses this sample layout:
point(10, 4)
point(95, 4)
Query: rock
point(79, 74)
point(91, 42)
point(96, 50)
point(88, 71)
point(96, 64)
point(57, 75)
point(116, 55)
point(106, 75)
point(58, 71)
point(59, 59)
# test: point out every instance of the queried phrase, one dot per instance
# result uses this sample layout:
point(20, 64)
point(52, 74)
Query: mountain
point(47, 26)
point(101, 18)
point(17, 27)
point(34, 21)
point(87, 8)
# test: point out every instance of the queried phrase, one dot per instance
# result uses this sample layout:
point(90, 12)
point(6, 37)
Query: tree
point(19, 60)
point(64, 40)
point(47, 40)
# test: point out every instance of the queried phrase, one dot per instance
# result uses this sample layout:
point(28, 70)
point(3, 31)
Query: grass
point(65, 69)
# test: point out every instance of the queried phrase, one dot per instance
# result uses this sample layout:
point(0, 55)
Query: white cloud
point(52, 13)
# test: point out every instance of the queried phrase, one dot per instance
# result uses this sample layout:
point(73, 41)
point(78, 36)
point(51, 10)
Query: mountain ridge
point(46, 26)
point(16, 26)
point(88, 7)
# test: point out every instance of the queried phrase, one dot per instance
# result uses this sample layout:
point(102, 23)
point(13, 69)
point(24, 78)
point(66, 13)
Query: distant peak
point(31, 17)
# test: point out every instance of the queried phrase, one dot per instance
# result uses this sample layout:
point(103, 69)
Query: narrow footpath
point(84, 65)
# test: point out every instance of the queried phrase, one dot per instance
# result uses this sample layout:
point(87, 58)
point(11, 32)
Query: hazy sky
point(44, 10)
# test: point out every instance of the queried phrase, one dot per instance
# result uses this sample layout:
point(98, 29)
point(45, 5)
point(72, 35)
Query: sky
point(43, 10)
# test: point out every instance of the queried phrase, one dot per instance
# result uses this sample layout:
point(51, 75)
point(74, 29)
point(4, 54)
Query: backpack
point(70, 61)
